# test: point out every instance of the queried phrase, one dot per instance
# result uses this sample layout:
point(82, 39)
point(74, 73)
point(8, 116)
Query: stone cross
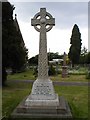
point(42, 93)
point(43, 22)
point(43, 102)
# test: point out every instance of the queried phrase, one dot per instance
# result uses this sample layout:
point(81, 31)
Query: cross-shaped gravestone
point(43, 22)
point(43, 102)
point(43, 91)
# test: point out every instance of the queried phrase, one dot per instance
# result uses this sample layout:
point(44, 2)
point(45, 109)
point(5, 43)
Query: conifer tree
point(75, 48)
point(14, 52)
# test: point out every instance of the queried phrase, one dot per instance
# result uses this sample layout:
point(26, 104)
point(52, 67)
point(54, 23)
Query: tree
point(14, 52)
point(88, 58)
point(84, 51)
point(83, 55)
point(51, 56)
point(75, 48)
point(33, 60)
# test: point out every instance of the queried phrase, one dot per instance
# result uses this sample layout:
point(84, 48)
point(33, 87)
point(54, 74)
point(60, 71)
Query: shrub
point(4, 76)
point(88, 75)
point(35, 71)
point(51, 70)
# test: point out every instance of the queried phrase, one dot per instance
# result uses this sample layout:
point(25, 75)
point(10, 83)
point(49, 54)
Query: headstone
point(43, 102)
point(64, 67)
point(42, 89)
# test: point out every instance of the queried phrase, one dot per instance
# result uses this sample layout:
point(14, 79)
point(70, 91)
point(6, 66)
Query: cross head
point(44, 20)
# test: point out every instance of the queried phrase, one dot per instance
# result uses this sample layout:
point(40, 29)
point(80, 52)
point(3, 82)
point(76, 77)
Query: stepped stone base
point(32, 102)
point(60, 111)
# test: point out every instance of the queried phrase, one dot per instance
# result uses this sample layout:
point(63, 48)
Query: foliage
point(4, 76)
point(85, 59)
point(14, 52)
point(35, 71)
point(29, 75)
point(83, 55)
point(78, 71)
point(88, 75)
point(88, 58)
point(51, 70)
point(33, 60)
point(84, 51)
point(75, 48)
point(51, 56)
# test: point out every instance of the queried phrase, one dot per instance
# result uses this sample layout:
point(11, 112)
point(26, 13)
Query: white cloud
point(57, 40)
point(65, 13)
point(48, 1)
point(31, 38)
point(84, 37)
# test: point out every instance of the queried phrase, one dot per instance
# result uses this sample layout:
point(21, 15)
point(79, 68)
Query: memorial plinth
point(50, 111)
point(42, 91)
point(43, 101)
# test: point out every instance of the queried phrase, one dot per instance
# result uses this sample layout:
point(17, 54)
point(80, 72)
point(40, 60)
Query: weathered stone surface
point(43, 102)
point(43, 22)
point(64, 67)
point(42, 94)
point(42, 90)
point(61, 111)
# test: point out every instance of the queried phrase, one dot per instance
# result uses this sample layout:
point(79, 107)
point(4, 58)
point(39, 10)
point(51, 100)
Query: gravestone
point(64, 67)
point(43, 102)
point(43, 88)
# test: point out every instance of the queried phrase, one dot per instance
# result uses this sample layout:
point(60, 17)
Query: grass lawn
point(12, 94)
point(77, 96)
point(73, 78)
point(28, 75)
point(0, 103)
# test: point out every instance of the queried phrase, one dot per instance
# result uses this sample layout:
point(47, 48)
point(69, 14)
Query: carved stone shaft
point(43, 91)
point(43, 22)
point(43, 60)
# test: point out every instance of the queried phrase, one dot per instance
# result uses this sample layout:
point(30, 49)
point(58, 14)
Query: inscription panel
point(45, 90)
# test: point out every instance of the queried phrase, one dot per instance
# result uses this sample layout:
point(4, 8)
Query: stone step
point(61, 111)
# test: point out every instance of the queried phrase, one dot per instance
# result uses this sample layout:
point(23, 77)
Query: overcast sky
point(66, 14)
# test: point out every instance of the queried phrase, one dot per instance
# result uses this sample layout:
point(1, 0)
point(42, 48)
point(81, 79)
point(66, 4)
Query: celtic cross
point(43, 22)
